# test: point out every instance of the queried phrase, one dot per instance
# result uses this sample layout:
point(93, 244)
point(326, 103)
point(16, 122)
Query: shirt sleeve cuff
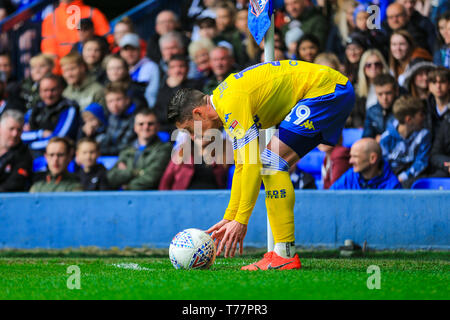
point(229, 214)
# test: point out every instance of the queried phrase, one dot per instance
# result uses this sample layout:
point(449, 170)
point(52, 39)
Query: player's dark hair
point(384, 79)
point(183, 102)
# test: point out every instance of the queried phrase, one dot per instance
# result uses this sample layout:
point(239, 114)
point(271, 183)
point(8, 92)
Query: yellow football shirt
point(260, 97)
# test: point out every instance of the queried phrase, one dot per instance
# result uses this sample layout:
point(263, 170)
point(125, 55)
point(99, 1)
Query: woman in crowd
point(371, 65)
point(342, 27)
point(117, 71)
point(354, 50)
point(308, 48)
point(442, 51)
point(402, 51)
point(416, 78)
point(94, 51)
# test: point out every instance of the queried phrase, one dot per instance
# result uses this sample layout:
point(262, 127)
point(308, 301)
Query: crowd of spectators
point(91, 91)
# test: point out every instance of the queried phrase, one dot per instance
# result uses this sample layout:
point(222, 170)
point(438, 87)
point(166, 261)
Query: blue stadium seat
point(164, 136)
point(108, 161)
point(350, 136)
point(432, 183)
point(312, 163)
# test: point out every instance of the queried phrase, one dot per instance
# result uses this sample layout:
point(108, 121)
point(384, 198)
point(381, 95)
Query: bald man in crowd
point(369, 171)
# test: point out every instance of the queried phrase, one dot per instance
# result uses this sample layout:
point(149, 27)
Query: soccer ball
point(192, 249)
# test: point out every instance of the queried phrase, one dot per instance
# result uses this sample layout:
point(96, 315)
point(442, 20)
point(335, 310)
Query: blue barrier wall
point(385, 219)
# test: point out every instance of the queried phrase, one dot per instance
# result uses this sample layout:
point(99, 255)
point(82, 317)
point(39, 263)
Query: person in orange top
point(60, 32)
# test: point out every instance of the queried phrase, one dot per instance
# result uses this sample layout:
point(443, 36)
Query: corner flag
point(259, 13)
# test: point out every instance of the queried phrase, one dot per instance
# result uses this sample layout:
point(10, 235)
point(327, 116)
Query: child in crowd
point(380, 115)
point(92, 175)
point(308, 48)
point(41, 65)
point(94, 51)
point(406, 144)
point(94, 122)
point(119, 133)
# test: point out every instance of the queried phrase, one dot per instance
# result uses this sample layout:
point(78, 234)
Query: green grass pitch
point(402, 276)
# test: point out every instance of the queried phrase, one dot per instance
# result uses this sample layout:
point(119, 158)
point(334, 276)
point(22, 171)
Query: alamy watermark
point(374, 280)
point(74, 280)
point(212, 147)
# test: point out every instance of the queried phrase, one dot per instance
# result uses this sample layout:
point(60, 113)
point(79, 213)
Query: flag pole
point(269, 55)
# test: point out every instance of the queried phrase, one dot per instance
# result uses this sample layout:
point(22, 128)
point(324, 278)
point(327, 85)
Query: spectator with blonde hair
point(40, 65)
point(330, 60)
point(343, 25)
point(372, 64)
point(199, 53)
point(81, 87)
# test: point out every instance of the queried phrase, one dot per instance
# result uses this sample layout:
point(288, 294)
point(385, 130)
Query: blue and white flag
point(259, 13)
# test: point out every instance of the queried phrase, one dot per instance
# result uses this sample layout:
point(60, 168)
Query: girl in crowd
point(416, 78)
point(353, 52)
point(94, 51)
point(402, 51)
point(308, 48)
point(117, 71)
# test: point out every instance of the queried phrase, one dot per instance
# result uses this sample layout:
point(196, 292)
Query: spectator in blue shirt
point(406, 144)
point(369, 171)
point(379, 115)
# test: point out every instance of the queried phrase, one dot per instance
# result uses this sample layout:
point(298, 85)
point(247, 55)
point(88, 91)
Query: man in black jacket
point(52, 116)
point(15, 158)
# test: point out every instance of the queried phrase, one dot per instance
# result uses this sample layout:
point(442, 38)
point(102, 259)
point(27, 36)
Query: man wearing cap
point(142, 70)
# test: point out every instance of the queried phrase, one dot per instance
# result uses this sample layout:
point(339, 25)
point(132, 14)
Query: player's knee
point(273, 162)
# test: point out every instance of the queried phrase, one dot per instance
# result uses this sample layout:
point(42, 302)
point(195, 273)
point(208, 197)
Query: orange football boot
point(272, 261)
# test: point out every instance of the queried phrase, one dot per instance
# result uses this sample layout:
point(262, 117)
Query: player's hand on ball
point(228, 234)
point(214, 230)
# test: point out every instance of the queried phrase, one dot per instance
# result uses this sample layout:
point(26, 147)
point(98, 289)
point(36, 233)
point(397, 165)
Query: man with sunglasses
point(141, 165)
